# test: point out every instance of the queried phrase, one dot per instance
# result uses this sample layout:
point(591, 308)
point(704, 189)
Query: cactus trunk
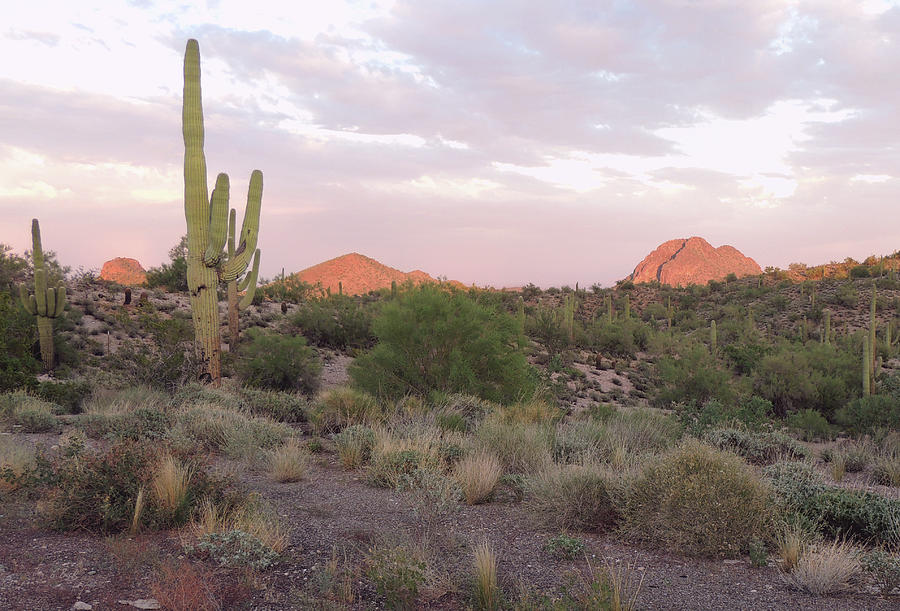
point(866, 376)
point(46, 303)
point(45, 336)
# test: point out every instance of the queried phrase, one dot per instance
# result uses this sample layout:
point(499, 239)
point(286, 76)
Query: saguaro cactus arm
point(248, 284)
point(246, 246)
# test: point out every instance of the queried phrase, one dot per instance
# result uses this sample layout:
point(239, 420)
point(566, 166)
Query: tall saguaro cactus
point(247, 284)
point(207, 224)
point(46, 303)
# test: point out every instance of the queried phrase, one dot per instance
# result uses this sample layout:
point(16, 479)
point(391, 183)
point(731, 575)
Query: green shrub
point(697, 419)
point(338, 322)
point(142, 423)
point(695, 377)
point(341, 407)
point(810, 425)
point(234, 548)
point(279, 406)
point(18, 330)
point(278, 362)
point(172, 275)
point(700, 501)
point(869, 414)
point(397, 575)
point(166, 363)
point(760, 448)
point(573, 497)
point(69, 395)
point(431, 340)
point(229, 431)
point(884, 567)
point(564, 547)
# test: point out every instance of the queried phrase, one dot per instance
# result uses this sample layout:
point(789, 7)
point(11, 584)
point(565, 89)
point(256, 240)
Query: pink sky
point(497, 142)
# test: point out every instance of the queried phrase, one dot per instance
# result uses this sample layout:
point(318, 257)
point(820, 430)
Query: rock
point(124, 271)
point(142, 603)
point(82, 606)
point(683, 262)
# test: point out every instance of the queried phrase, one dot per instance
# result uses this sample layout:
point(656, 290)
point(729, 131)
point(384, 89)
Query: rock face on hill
point(692, 261)
point(357, 274)
point(124, 271)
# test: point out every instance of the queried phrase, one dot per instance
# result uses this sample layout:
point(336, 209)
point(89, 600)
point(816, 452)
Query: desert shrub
point(869, 414)
point(280, 406)
point(341, 407)
point(546, 328)
point(697, 419)
point(694, 377)
point(461, 413)
point(699, 500)
point(621, 338)
point(234, 548)
point(478, 474)
point(564, 547)
point(278, 362)
point(826, 568)
point(396, 455)
point(397, 574)
point(354, 445)
point(229, 431)
point(97, 490)
point(68, 395)
point(573, 497)
point(887, 471)
point(759, 448)
point(149, 423)
point(884, 567)
point(18, 330)
point(338, 322)
point(834, 512)
point(810, 425)
point(172, 275)
point(16, 461)
point(433, 340)
point(521, 448)
point(165, 363)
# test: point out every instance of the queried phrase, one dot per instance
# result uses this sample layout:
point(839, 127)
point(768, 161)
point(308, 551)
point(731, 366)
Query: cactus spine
point(46, 303)
point(207, 224)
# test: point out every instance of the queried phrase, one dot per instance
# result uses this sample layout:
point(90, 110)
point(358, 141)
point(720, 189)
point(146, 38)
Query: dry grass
point(521, 448)
point(396, 454)
point(139, 505)
point(826, 568)
point(838, 467)
point(108, 402)
point(487, 593)
point(15, 457)
point(185, 587)
point(171, 484)
point(341, 407)
point(887, 471)
point(623, 590)
point(289, 462)
point(478, 475)
point(791, 545)
point(573, 497)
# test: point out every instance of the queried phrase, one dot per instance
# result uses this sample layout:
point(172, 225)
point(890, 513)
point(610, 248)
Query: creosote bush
point(278, 362)
point(341, 407)
point(698, 500)
point(577, 497)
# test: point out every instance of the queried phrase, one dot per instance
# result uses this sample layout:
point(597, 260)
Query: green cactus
point(713, 337)
point(826, 335)
point(866, 369)
point(873, 346)
point(610, 309)
point(207, 223)
point(46, 303)
point(393, 289)
point(246, 285)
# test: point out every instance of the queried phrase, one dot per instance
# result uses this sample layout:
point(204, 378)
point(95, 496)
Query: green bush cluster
point(338, 322)
point(759, 448)
point(278, 362)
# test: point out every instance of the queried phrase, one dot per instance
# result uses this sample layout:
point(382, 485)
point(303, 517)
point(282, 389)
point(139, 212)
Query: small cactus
point(46, 303)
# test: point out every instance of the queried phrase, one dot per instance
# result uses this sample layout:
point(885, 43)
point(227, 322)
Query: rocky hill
point(124, 271)
point(682, 262)
point(357, 274)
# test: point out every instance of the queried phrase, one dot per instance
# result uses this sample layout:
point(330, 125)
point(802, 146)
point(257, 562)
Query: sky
point(495, 142)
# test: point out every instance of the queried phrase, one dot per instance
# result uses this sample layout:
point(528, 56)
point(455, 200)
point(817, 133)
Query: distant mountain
point(692, 261)
point(357, 274)
point(124, 271)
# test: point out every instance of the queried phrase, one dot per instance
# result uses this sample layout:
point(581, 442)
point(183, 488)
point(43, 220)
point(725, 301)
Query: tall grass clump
point(16, 459)
point(574, 496)
point(289, 462)
point(826, 568)
point(478, 474)
point(230, 431)
point(396, 455)
point(521, 448)
point(699, 500)
point(171, 488)
point(487, 592)
point(354, 445)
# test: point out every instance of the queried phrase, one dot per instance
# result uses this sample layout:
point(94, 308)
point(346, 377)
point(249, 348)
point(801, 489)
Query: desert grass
point(487, 592)
point(623, 586)
point(113, 402)
point(185, 587)
point(478, 474)
point(577, 496)
point(16, 459)
point(396, 454)
point(838, 466)
point(521, 448)
point(826, 568)
point(354, 445)
point(171, 484)
point(886, 471)
point(289, 462)
point(791, 542)
point(140, 503)
point(231, 431)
